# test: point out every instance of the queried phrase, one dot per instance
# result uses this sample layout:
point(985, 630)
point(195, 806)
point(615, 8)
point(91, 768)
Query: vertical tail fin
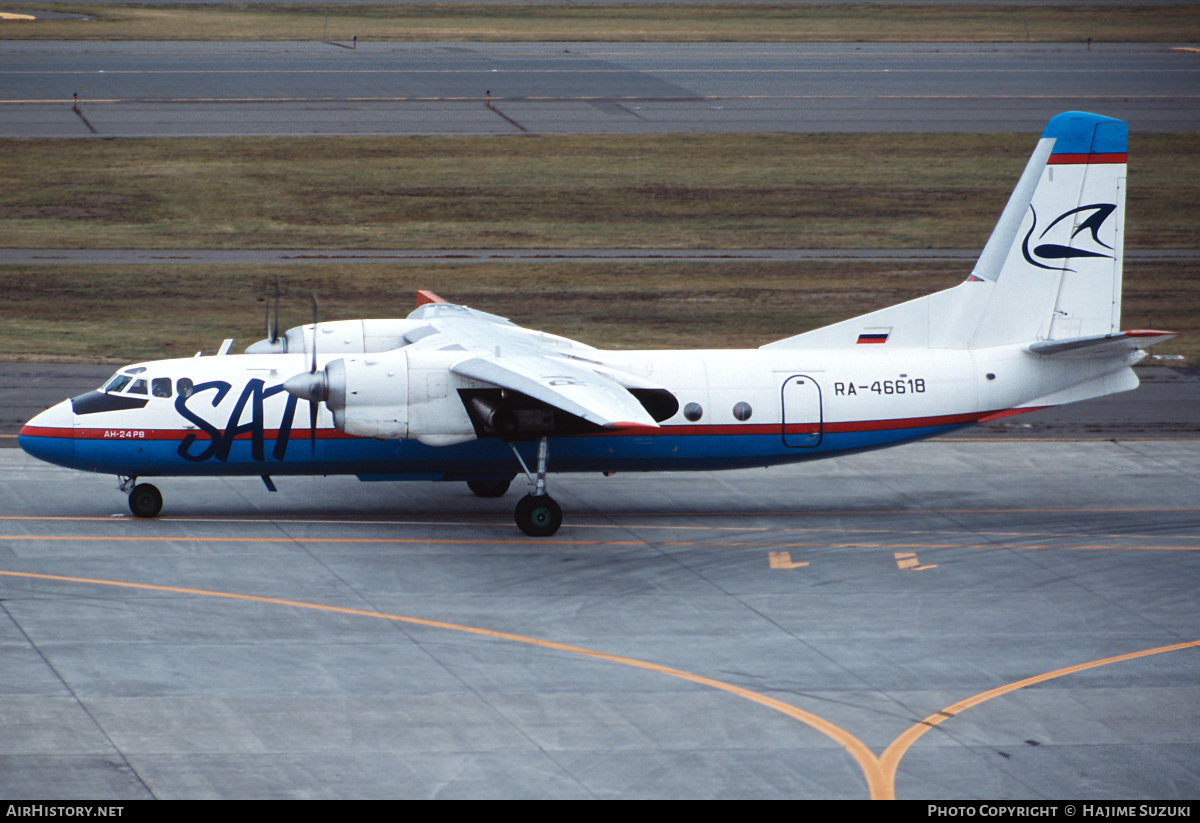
point(1057, 270)
point(1051, 269)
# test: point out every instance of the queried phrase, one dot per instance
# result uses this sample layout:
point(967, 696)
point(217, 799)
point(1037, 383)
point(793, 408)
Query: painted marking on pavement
point(879, 772)
point(907, 561)
point(857, 749)
point(890, 759)
point(783, 560)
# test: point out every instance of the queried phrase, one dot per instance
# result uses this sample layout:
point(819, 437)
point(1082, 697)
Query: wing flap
point(571, 388)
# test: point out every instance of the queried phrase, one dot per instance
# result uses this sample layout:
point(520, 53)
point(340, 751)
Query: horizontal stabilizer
point(1101, 345)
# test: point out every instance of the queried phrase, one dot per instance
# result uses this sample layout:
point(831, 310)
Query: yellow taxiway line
point(857, 749)
point(878, 771)
point(890, 759)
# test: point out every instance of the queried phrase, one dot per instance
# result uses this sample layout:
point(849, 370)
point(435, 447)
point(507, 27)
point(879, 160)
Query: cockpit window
point(161, 387)
point(184, 387)
point(118, 382)
point(125, 383)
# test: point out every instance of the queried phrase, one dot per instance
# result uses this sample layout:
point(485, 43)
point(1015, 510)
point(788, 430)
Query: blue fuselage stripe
point(476, 458)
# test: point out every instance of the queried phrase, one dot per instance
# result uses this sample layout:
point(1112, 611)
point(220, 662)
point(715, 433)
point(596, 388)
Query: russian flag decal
point(874, 336)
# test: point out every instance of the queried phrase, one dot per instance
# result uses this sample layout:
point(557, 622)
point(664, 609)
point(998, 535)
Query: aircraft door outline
point(802, 412)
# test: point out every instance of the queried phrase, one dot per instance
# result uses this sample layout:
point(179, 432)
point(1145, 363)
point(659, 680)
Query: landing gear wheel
point(488, 488)
point(538, 515)
point(145, 500)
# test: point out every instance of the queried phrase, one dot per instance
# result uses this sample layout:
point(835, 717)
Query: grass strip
point(628, 22)
point(614, 191)
point(129, 313)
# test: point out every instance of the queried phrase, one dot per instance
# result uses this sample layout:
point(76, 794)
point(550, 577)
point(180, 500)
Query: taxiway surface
point(206, 89)
point(955, 619)
point(1013, 616)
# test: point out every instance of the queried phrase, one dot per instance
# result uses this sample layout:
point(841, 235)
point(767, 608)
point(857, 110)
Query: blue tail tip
point(1080, 132)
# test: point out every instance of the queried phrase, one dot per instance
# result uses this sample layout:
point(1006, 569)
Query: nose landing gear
point(144, 500)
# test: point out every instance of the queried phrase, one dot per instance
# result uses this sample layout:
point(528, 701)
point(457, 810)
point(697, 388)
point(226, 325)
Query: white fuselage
point(737, 408)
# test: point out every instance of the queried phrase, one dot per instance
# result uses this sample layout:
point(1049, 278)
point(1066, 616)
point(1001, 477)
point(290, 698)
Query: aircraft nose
point(51, 435)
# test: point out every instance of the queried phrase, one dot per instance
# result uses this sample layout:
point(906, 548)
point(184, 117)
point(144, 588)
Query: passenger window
point(161, 387)
point(138, 387)
point(184, 387)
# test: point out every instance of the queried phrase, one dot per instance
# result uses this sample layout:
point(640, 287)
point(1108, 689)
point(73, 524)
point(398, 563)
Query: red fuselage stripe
point(126, 434)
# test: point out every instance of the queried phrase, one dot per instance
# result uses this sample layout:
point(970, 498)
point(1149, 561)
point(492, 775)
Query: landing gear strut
point(144, 500)
point(537, 514)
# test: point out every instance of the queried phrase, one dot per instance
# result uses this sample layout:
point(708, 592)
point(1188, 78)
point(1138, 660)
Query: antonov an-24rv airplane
point(451, 393)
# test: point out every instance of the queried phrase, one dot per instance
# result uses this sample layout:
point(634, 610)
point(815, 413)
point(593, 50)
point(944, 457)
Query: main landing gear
point(537, 514)
point(144, 500)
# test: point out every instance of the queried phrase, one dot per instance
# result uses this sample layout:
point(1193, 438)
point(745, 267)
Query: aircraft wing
point(543, 366)
point(476, 330)
point(574, 389)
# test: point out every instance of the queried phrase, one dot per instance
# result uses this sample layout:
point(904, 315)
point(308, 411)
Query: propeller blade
point(312, 426)
point(273, 315)
point(311, 387)
point(312, 404)
point(316, 312)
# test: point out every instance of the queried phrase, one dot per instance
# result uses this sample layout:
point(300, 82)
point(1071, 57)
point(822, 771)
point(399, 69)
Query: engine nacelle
point(394, 395)
point(404, 393)
point(369, 398)
point(346, 337)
